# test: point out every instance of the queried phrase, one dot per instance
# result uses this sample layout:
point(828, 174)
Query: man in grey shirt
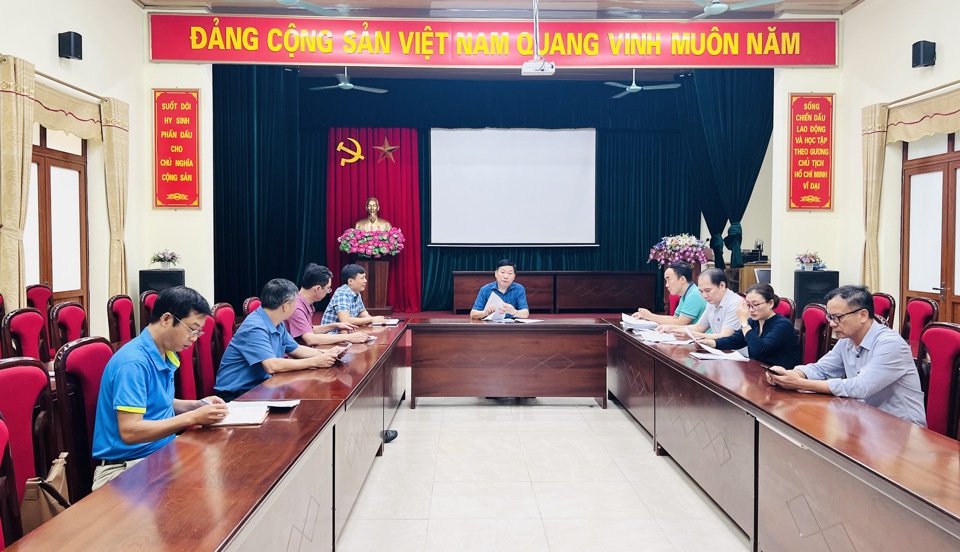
point(870, 362)
point(720, 316)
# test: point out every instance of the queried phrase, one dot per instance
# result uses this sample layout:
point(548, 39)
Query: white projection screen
point(491, 187)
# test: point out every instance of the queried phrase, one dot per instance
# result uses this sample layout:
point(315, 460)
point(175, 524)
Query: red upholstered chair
point(250, 304)
point(886, 306)
point(814, 333)
point(225, 320)
point(69, 323)
point(3, 308)
point(674, 303)
point(941, 341)
point(787, 309)
point(9, 506)
point(25, 402)
point(40, 297)
point(23, 333)
point(147, 299)
point(79, 367)
point(920, 311)
point(120, 320)
point(185, 378)
point(206, 370)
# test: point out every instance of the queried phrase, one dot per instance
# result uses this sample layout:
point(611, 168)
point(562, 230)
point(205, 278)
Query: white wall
point(115, 64)
point(875, 67)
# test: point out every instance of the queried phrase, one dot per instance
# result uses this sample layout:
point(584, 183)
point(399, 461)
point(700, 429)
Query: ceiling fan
point(345, 84)
point(716, 7)
point(634, 87)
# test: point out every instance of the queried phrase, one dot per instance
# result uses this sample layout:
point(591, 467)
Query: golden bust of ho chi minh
point(372, 222)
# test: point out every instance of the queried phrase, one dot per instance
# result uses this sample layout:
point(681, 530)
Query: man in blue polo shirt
point(136, 411)
point(512, 294)
point(257, 350)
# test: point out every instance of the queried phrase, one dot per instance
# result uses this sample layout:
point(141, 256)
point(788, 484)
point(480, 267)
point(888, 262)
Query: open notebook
point(252, 413)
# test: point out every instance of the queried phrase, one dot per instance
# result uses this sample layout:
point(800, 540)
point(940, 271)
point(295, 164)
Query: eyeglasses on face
point(835, 318)
point(193, 333)
point(755, 306)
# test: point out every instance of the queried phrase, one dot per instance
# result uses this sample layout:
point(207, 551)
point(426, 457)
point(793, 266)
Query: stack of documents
point(717, 354)
point(632, 323)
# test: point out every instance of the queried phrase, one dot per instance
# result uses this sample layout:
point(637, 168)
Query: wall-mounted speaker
point(924, 53)
point(71, 45)
point(809, 286)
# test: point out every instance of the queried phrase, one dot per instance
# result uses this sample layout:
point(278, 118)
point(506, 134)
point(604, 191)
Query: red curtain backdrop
point(395, 184)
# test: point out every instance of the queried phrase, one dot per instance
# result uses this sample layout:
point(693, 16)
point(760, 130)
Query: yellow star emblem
point(386, 151)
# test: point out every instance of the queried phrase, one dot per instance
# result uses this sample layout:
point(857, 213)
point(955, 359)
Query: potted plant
point(166, 258)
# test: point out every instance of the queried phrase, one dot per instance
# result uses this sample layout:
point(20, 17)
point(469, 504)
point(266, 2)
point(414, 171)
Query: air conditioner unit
point(537, 67)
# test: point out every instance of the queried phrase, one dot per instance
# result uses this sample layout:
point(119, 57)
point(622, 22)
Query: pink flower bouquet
point(371, 244)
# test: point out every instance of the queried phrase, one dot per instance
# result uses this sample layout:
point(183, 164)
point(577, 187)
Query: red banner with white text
point(486, 43)
point(811, 151)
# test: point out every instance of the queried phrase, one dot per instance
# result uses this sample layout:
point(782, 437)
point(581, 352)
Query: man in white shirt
point(719, 319)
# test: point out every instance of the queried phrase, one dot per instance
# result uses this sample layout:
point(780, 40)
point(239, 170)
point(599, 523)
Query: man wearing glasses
point(314, 286)
point(257, 350)
point(870, 362)
point(136, 411)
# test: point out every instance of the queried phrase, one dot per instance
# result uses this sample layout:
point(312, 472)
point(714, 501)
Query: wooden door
point(929, 247)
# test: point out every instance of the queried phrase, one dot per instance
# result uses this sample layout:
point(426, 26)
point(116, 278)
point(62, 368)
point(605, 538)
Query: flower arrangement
point(371, 244)
point(809, 258)
point(683, 248)
point(165, 257)
point(812, 259)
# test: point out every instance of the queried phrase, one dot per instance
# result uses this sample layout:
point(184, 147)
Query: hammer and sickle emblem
point(356, 153)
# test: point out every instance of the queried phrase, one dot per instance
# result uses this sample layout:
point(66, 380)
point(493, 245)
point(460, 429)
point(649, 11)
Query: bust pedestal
point(375, 296)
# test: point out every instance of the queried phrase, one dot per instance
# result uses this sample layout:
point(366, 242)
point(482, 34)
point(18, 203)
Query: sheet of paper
point(244, 413)
point(655, 337)
point(527, 320)
point(496, 302)
point(388, 322)
point(632, 323)
point(719, 356)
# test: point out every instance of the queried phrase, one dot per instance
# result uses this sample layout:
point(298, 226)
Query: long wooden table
point(459, 357)
point(795, 471)
point(251, 489)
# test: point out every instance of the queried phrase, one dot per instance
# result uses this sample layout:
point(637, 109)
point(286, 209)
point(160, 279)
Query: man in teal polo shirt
point(257, 350)
point(677, 279)
point(136, 411)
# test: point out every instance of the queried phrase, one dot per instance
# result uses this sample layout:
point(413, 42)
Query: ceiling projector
point(537, 67)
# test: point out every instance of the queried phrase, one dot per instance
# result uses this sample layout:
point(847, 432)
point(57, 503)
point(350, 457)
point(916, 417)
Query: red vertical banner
point(382, 163)
point(811, 151)
point(176, 148)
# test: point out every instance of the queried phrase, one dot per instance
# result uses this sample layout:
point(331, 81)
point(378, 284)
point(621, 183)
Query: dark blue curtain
point(701, 170)
point(736, 107)
point(266, 217)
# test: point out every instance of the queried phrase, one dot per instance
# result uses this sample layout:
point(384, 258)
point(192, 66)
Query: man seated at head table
point(314, 286)
point(719, 316)
point(136, 411)
point(512, 294)
point(346, 305)
point(870, 362)
point(677, 278)
point(768, 337)
point(257, 350)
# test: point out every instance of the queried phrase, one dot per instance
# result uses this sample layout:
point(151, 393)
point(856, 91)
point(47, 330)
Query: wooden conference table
point(794, 471)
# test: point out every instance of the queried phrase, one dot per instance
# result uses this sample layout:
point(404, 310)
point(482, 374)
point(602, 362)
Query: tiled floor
point(551, 474)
